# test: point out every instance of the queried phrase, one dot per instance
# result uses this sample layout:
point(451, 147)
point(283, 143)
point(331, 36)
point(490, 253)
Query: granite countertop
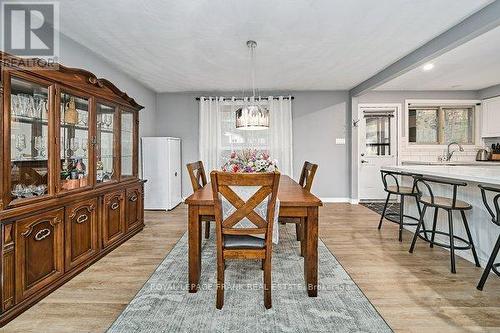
point(471, 173)
point(478, 163)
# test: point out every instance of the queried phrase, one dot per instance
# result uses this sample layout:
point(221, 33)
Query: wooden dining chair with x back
point(242, 232)
point(306, 181)
point(495, 218)
point(198, 180)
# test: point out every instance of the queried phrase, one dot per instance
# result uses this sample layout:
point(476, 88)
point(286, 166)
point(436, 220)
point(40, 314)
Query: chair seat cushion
point(445, 202)
point(402, 189)
point(243, 242)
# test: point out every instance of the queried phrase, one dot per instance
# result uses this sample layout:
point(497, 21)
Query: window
point(441, 124)
point(378, 135)
point(233, 139)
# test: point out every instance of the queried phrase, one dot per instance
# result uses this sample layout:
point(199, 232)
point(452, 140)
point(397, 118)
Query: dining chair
point(198, 180)
point(240, 242)
point(306, 181)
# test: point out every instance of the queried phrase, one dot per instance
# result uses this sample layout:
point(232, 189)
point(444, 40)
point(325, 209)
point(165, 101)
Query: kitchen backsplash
point(429, 154)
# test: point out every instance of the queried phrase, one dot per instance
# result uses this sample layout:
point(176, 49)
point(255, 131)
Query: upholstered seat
point(401, 189)
point(445, 202)
point(243, 242)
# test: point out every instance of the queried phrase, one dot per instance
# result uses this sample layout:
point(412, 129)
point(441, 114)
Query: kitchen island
point(484, 232)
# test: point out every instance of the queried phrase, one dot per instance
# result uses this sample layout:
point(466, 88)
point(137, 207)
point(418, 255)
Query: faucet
point(449, 153)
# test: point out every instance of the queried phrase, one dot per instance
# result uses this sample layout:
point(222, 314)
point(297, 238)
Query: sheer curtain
point(219, 136)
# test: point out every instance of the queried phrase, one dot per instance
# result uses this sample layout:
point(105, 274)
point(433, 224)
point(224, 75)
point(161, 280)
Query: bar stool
point(495, 218)
point(449, 205)
point(402, 191)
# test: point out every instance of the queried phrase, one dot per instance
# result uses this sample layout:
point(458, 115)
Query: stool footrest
point(394, 218)
point(428, 240)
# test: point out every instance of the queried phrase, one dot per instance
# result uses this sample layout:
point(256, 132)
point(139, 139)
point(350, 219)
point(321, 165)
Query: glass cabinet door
point(127, 143)
point(105, 143)
point(29, 130)
point(74, 142)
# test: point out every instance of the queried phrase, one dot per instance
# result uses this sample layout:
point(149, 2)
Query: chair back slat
point(267, 184)
point(307, 175)
point(197, 175)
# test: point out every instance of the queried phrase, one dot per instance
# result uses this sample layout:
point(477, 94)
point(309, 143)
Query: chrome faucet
point(449, 153)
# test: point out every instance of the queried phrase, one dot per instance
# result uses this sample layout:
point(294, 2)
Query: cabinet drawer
point(39, 252)
point(133, 215)
point(81, 236)
point(113, 217)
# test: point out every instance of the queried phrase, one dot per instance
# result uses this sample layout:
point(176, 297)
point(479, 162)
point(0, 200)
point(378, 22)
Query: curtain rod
point(256, 98)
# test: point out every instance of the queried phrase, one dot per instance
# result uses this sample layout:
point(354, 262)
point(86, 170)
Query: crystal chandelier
point(252, 116)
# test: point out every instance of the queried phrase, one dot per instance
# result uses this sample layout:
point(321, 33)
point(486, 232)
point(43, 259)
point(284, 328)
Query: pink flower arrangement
point(250, 160)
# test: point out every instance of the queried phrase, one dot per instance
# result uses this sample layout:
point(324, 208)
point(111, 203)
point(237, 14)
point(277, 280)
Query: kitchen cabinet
point(491, 117)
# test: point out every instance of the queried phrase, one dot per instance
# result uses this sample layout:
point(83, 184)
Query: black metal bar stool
point(495, 218)
point(402, 191)
point(449, 205)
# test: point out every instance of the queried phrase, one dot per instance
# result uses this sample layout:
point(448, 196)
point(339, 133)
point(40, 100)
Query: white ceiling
point(188, 45)
point(474, 65)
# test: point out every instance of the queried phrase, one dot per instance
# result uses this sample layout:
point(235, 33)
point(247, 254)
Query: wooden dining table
point(294, 202)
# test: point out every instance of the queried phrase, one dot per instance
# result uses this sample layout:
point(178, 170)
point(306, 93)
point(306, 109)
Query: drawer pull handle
point(44, 233)
point(133, 198)
point(115, 206)
point(82, 218)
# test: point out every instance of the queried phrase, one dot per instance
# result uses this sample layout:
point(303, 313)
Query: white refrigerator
point(161, 167)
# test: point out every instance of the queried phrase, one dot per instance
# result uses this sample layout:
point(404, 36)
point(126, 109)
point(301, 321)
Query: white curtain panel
point(210, 127)
point(280, 133)
point(218, 115)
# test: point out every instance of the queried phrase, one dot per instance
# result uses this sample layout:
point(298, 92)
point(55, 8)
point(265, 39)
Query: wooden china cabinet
point(69, 186)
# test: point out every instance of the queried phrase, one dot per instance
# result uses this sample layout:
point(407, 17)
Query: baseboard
point(336, 200)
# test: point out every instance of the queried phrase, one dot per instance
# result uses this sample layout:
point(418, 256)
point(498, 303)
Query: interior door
point(377, 148)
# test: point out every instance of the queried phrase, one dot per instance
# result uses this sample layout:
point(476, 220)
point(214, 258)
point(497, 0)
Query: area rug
point(378, 207)
point(164, 304)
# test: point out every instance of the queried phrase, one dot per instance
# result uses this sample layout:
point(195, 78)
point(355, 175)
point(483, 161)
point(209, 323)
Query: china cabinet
point(69, 186)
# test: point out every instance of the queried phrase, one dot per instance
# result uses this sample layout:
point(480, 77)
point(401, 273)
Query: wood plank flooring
point(413, 292)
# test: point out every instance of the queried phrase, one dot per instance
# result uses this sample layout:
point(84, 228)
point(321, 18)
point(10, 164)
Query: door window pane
point(127, 143)
point(29, 139)
point(378, 135)
point(459, 125)
point(74, 159)
point(105, 148)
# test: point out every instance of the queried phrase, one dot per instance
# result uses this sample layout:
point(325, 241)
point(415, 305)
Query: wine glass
point(108, 120)
point(73, 145)
point(37, 145)
point(20, 144)
point(85, 145)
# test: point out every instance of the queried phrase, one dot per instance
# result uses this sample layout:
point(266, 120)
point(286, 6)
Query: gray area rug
point(164, 304)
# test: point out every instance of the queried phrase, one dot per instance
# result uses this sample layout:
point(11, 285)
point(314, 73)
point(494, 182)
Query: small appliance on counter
point(483, 155)
point(495, 152)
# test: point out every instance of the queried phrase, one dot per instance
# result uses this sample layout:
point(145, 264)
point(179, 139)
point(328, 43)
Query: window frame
point(441, 104)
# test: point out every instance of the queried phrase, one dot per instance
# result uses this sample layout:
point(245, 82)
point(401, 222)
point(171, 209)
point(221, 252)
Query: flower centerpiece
point(250, 160)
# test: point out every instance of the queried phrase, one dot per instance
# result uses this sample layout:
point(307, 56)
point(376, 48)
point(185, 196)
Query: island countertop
point(472, 173)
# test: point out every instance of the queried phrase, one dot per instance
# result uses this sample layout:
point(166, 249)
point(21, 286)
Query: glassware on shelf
point(85, 146)
point(20, 145)
point(38, 145)
point(73, 145)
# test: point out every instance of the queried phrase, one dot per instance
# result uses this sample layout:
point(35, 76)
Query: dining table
point(295, 202)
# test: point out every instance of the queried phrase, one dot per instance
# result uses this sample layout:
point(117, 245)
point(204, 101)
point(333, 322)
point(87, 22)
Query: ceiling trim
point(475, 25)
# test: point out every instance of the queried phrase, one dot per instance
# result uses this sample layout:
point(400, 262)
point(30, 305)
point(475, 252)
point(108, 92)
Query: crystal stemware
point(20, 144)
point(73, 145)
point(37, 144)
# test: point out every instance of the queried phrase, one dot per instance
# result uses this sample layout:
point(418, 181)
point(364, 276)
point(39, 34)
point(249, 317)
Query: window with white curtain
point(233, 139)
point(219, 135)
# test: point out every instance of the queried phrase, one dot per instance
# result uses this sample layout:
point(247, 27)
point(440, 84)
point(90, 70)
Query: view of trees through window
point(441, 125)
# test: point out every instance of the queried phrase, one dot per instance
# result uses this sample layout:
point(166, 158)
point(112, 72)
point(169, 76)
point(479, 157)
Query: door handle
point(175, 174)
point(115, 205)
point(364, 161)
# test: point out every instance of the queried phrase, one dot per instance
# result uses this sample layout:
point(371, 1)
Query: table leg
point(311, 251)
point(194, 243)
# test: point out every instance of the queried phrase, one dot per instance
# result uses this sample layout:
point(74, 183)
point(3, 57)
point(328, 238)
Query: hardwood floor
point(413, 292)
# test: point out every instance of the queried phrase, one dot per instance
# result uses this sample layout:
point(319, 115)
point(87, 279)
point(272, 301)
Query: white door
point(377, 148)
point(175, 170)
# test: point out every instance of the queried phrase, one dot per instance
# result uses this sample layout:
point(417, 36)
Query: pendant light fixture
point(252, 116)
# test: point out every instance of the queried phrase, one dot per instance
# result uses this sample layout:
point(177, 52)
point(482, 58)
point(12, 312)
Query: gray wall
point(393, 97)
point(74, 54)
point(489, 92)
point(318, 118)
